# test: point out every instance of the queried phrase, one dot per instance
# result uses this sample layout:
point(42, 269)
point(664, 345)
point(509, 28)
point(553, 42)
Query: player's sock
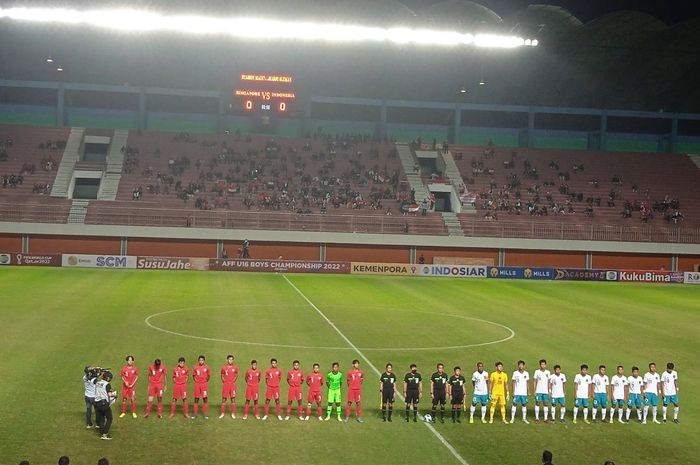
point(595, 412)
point(347, 411)
point(278, 409)
point(524, 413)
point(288, 410)
point(512, 413)
point(646, 412)
point(472, 409)
point(483, 412)
point(149, 406)
point(639, 414)
point(187, 408)
point(575, 413)
point(266, 409)
point(546, 413)
point(319, 410)
point(653, 411)
point(415, 412)
point(459, 413)
point(603, 412)
point(195, 407)
point(329, 410)
point(664, 409)
point(300, 410)
point(563, 413)
point(384, 411)
point(160, 408)
point(256, 410)
point(173, 406)
point(675, 413)
point(585, 413)
point(627, 414)
point(408, 411)
point(391, 409)
point(492, 410)
point(308, 411)
point(205, 409)
point(133, 407)
point(619, 414)
point(246, 407)
point(223, 408)
point(338, 410)
point(234, 407)
point(358, 411)
point(453, 414)
point(442, 412)
point(554, 412)
point(503, 412)
point(537, 412)
point(123, 407)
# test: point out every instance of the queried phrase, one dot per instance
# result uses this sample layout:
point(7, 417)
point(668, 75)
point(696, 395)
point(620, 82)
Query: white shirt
point(520, 380)
point(480, 383)
point(89, 387)
point(600, 383)
point(618, 384)
point(669, 380)
point(542, 378)
point(557, 383)
point(651, 383)
point(582, 383)
point(635, 384)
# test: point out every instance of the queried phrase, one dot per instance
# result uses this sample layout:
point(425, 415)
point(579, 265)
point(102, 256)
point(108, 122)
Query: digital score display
point(265, 93)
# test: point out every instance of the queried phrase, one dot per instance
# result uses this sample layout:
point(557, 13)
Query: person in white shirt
point(582, 392)
point(601, 392)
point(651, 392)
point(480, 381)
point(635, 383)
point(669, 386)
point(619, 395)
point(540, 382)
point(89, 385)
point(521, 389)
point(557, 390)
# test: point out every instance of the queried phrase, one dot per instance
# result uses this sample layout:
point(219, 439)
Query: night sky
point(669, 11)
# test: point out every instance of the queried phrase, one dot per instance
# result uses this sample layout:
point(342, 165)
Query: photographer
point(89, 383)
point(104, 398)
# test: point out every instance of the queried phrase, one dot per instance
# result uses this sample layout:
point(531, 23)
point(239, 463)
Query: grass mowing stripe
point(440, 437)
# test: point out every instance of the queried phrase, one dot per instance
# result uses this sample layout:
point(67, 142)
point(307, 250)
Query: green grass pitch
point(55, 321)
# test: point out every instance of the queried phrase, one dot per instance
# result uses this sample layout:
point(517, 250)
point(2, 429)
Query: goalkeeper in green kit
point(334, 381)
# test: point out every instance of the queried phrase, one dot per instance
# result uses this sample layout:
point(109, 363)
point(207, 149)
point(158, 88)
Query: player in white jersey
point(540, 382)
point(651, 392)
point(582, 392)
point(601, 392)
point(669, 387)
point(521, 389)
point(480, 381)
point(635, 383)
point(557, 390)
point(619, 395)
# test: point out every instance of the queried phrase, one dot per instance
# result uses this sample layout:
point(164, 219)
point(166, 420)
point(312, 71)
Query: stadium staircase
point(78, 211)
point(409, 161)
point(452, 173)
point(115, 161)
point(71, 155)
point(454, 227)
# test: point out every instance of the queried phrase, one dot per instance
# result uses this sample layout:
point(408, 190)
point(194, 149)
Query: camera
point(94, 371)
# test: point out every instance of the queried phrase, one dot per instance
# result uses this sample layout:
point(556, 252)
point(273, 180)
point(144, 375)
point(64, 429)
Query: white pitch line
point(437, 434)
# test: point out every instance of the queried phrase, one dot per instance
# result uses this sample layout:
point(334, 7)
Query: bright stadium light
point(140, 21)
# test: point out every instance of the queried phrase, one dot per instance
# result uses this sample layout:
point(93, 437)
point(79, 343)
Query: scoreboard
point(265, 93)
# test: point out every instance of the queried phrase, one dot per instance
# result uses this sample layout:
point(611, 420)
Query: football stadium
point(349, 231)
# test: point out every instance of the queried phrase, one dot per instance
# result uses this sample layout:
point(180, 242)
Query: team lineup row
point(493, 390)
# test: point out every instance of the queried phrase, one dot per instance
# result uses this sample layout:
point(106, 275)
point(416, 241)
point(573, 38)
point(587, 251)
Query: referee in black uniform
point(104, 395)
point(387, 388)
point(438, 387)
point(456, 392)
point(412, 390)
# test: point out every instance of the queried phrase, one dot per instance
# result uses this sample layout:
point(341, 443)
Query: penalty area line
point(432, 429)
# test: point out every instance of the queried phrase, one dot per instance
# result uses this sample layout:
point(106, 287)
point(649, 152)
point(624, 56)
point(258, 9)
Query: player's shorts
point(439, 397)
point(180, 391)
point(600, 399)
point(228, 391)
point(155, 390)
point(542, 398)
point(581, 402)
point(201, 390)
point(520, 400)
point(619, 403)
point(314, 397)
point(671, 400)
point(498, 399)
point(334, 396)
point(272, 393)
point(388, 397)
point(635, 400)
point(294, 393)
point(128, 393)
point(558, 401)
point(412, 396)
point(252, 393)
point(457, 398)
point(354, 395)
point(651, 399)
point(483, 399)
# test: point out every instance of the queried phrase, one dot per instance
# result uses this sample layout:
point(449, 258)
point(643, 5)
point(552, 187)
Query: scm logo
point(111, 262)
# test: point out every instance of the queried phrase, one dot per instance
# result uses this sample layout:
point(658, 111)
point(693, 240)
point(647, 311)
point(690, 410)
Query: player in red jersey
point(253, 376)
point(180, 375)
point(229, 375)
point(315, 382)
point(355, 379)
point(295, 378)
point(129, 375)
point(273, 376)
point(201, 374)
point(156, 386)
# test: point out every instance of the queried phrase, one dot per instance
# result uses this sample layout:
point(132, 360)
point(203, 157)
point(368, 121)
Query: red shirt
point(180, 375)
point(156, 376)
point(295, 378)
point(229, 374)
point(253, 377)
point(315, 382)
point(355, 378)
point(129, 374)
point(201, 373)
point(273, 376)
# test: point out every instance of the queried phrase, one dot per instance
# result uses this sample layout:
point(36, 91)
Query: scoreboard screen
point(265, 93)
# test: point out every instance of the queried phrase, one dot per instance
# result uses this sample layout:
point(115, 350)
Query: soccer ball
point(427, 418)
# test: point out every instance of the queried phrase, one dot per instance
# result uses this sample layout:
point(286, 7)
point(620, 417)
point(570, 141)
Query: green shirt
point(334, 380)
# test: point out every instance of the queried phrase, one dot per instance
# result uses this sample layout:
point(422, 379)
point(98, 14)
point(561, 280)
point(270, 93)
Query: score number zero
point(281, 106)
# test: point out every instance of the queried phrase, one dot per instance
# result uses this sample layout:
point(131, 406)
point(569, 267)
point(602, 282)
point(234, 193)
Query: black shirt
point(457, 383)
point(388, 381)
point(412, 381)
point(439, 381)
